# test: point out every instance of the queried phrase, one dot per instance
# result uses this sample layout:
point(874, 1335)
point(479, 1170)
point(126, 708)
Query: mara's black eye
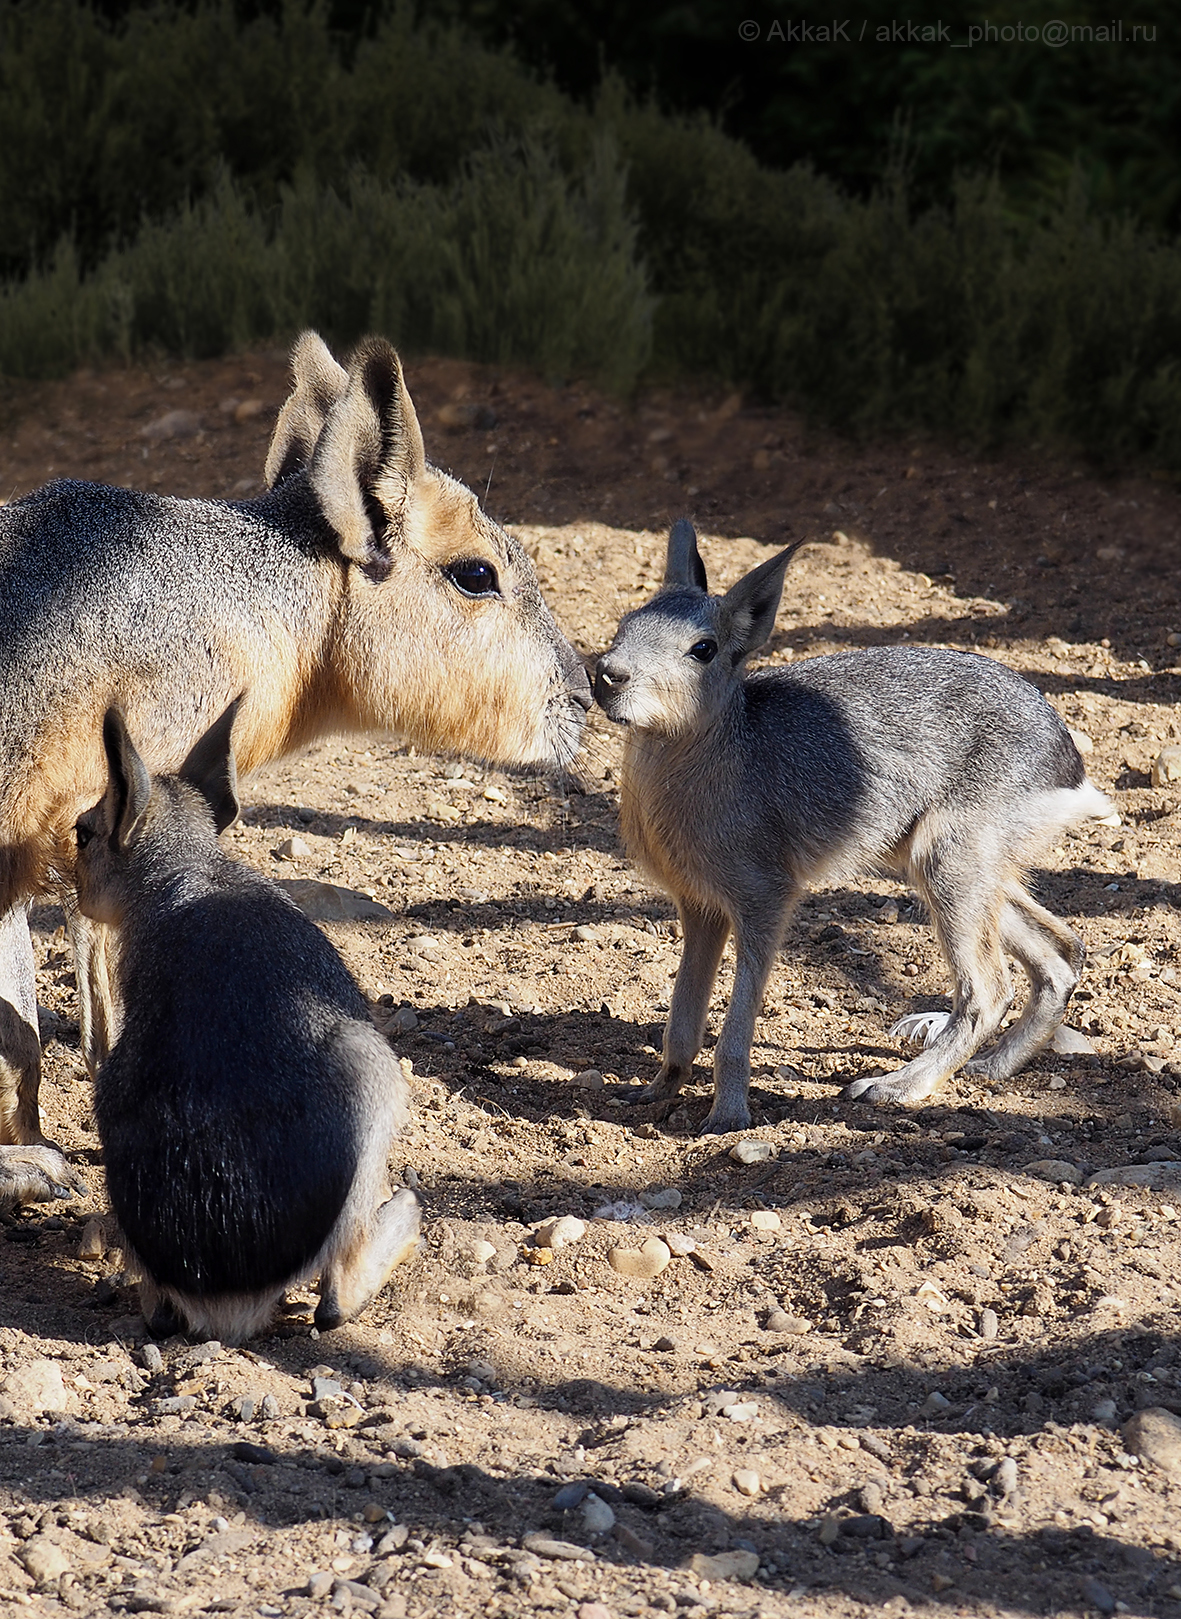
point(473, 577)
point(83, 834)
point(705, 651)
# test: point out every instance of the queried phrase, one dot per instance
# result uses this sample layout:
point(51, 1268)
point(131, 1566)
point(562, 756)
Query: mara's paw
point(920, 1028)
point(36, 1175)
point(660, 1090)
point(717, 1123)
point(902, 1092)
point(991, 1067)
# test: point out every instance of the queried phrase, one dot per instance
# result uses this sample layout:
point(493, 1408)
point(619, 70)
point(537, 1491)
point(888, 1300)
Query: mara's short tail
point(1053, 812)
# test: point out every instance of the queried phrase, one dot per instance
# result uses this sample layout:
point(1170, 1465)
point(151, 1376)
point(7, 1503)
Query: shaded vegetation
point(410, 177)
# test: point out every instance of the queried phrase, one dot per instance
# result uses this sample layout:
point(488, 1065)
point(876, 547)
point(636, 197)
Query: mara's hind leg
point(705, 938)
point(360, 1266)
point(1052, 956)
point(965, 907)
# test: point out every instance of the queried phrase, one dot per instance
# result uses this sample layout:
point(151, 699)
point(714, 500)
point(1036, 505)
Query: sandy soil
point(897, 1371)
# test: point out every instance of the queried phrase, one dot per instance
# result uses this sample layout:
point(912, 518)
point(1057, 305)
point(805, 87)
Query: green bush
point(415, 182)
point(513, 261)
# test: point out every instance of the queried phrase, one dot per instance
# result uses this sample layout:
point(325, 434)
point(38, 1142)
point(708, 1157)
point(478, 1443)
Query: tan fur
point(319, 383)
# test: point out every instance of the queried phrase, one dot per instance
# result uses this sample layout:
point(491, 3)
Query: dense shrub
point(514, 260)
point(416, 182)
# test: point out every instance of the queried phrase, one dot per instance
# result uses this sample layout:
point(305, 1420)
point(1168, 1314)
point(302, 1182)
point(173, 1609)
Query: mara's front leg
point(20, 1042)
point(705, 934)
point(97, 1019)
point(32, 1170)
point(756, 945)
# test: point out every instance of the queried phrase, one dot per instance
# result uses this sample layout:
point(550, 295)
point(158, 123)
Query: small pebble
point(482, 1252)
point(935, 1404)
point(1068, 1042)
point(741, 1411)
point(559, 1551)
point(562, 1232)
point(765, 1220)
point(295, 849)
point(783, 1321)
point(590, 1079)
point(593, 1610)
point(1155, 1435)
point(585, 935)
point(668, 1198)
point(404, 1021)
point(319, 1584)
point(1054, 1169)
point(989, 1325)
point(869, 1498)
point(1096, 1595)
point(736, 1565)
point(1166, 767)
point(649, 1260)
point(1004, 1479)
point(597, 1516)
point(747, 1481)
point(152, 1358)
point(678, 1245)
point(570, 1496)
point(750, 1151)
point(44, 1561)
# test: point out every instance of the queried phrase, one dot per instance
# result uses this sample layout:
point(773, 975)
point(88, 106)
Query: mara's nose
point(611, 675)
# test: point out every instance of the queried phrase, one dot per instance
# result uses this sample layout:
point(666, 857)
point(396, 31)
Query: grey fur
point(247, 1107)
point(944, 768)
point(329, 603)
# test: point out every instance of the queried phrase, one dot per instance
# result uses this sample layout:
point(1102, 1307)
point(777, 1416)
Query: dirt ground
point(896, 1371)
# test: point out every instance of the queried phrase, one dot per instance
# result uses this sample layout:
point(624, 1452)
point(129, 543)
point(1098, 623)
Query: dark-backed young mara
point(943, 768)
point(247, 1107)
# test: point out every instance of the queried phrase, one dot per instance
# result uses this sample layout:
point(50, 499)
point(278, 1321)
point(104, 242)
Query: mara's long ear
point(369, 457)
point(129, 788)
point(753, 603)
point(210, 768)
point(683, 565)
point(319, 383)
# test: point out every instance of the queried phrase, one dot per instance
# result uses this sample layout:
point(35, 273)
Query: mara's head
point(444, 636)
point(676, 661)
point(145, 828)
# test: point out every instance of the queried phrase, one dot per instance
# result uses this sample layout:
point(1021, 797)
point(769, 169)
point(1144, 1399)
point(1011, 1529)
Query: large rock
point(1155, 1436)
